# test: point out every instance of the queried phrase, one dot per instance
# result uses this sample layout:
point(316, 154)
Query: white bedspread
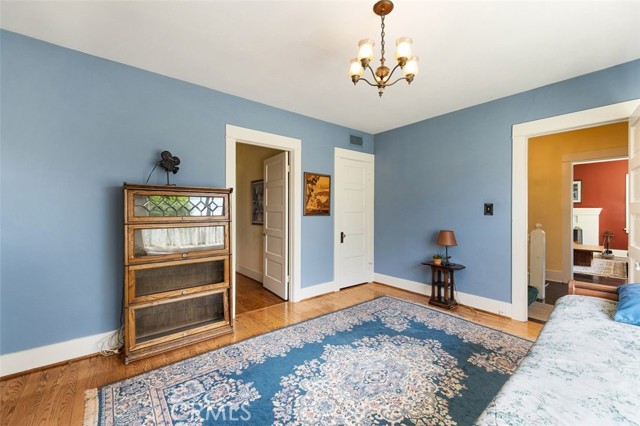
point(584, 369)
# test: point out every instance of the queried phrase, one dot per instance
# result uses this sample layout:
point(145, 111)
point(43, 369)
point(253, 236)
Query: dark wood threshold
point(599, 280)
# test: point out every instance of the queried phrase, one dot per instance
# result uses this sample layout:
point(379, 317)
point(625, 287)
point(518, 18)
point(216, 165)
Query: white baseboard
point(29, 359)
point(478, 302)
point(248, 272)
point(316, 290)
point(412, 286)
point(58, 352)
point(557, 276)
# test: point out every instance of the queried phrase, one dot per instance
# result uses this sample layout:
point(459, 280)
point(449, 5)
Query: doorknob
point(342, 236)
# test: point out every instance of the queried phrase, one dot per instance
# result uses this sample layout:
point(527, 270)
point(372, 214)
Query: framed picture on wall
point(317, 194)
point(577, 191)
point(257, 202)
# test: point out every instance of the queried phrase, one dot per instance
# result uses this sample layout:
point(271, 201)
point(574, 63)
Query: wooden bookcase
point(177, 258)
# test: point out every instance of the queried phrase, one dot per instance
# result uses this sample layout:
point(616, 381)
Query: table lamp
point(447, 239)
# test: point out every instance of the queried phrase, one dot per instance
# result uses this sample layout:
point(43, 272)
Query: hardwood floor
point(554, 291)
point(55, 396)
point(250, 295)
point(599, 280)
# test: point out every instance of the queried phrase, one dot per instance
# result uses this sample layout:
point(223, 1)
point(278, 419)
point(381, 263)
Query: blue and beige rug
point(383, 362)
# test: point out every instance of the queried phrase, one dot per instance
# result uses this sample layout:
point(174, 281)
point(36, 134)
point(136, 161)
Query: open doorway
point(559, 202)
point(521, 135)
point(290, 210)
point(252, 292)
point(600, 221)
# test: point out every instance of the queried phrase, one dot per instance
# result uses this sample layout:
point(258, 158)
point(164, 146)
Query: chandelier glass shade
point(382, 75)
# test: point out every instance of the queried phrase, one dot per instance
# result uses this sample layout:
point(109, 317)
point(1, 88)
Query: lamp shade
point(411, 67)
point(365, 50)
point(447, 238)
point(403, 48)
point(355, 68)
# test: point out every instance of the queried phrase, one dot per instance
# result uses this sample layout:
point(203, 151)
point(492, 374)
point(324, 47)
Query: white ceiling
point(294, 54)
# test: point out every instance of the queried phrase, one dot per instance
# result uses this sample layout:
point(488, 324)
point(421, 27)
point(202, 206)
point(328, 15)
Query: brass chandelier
point(382, 75)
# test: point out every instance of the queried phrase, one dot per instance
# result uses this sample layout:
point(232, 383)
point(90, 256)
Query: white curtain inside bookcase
point(172, 240)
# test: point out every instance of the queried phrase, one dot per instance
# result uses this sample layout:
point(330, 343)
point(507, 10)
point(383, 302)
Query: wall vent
point(355, 141)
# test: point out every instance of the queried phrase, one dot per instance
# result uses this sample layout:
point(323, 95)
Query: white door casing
point(353, 224)
point(236, 134)
point(275, 275)
point(634, 196)
point(519, 204)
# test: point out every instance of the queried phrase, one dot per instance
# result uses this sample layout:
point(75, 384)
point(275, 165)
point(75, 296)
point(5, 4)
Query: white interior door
point(353, 247)
point(276, 236)
point(634, 196)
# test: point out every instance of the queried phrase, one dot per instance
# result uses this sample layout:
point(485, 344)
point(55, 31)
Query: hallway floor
point(251, 296)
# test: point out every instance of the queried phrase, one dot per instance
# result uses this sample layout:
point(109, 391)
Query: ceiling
point(295, 55)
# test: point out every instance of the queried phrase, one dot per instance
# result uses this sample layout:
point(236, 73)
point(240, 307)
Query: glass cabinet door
point(148, 206)
point(157, 281)
point(151, 243)
point(179, 317)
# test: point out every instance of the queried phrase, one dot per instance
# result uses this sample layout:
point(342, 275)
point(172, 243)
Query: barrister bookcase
point(177, 258)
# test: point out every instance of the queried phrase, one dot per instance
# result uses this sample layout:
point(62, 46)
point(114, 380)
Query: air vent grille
point(355, 141)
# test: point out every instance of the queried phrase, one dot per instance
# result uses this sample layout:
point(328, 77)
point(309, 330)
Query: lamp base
point(445, 260)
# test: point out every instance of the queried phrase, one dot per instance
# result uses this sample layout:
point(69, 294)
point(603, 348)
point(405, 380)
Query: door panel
point(353, 218)
point(276, 238)
point(634, 196)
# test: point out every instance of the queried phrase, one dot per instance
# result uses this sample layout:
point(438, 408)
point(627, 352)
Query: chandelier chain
point(382, 42)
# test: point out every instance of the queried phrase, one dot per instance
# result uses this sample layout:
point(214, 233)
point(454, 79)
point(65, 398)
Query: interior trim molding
point(557, 276)
point(519, 195)
point(236, 134)
point(248, 272)
point(29, 359)
point(318, 290)
point(599, 155)
point(478, 302)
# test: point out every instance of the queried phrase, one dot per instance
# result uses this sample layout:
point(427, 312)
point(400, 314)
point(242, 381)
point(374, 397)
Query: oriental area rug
point(383, 362)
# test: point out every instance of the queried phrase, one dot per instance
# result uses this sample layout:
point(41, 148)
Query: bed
point(584, 369)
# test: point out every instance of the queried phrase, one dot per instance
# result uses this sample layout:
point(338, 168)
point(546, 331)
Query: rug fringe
point(90, 407)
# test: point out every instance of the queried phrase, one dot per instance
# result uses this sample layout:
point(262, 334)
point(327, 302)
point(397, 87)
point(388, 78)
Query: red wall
point(603, 185)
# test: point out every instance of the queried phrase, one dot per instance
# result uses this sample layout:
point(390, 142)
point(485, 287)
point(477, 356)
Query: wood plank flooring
point(554, 291)
point(55, 396)
point(599, 280)
point(250, 295)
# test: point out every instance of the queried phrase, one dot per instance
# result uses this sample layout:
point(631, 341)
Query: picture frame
point(257, 202)
point(576, 193)
point(317, 194)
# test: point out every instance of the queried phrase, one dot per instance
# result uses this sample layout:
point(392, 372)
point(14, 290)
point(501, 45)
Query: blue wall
point(438, 173)
point(74, 127)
